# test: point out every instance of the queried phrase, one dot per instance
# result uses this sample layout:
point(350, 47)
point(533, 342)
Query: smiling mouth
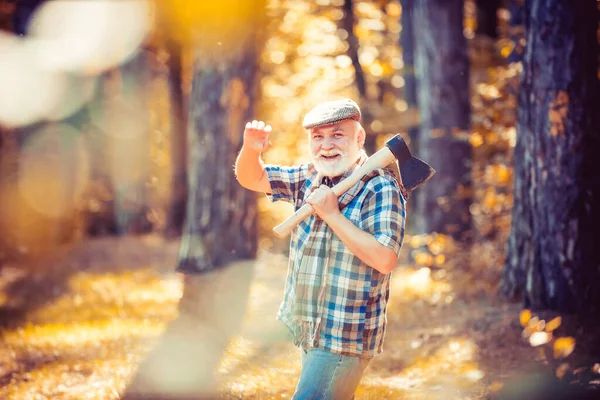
point(331, 158)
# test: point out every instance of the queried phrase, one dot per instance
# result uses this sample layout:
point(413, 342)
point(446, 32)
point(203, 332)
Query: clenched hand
point(324, 201)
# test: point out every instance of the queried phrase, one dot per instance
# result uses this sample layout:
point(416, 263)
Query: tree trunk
point(348, 25)
point(176, 212)
point(131, 151)
point(443, 71)
point(487, 17)
point(100, 215)
point(552, 255)
point(407, 44)
point(516, 29)
point(219, 242)
point(221, 215)
point(359, 74)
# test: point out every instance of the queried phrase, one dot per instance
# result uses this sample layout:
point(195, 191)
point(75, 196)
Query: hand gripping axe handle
point(413, 172)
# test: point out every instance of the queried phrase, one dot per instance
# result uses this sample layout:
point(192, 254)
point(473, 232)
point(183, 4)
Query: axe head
point(413, 171)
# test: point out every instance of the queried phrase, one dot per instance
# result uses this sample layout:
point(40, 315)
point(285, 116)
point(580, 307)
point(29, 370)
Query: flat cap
point(330, 112)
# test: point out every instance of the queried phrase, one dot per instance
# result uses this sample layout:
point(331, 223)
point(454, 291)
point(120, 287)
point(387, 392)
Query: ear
point(360, 137)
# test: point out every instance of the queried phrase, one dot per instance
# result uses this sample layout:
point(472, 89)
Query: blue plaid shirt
point(333, 300)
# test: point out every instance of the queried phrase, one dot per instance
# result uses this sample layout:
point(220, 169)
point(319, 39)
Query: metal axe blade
point(413, 171)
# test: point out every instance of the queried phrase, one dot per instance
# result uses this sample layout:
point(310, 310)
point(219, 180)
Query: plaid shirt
point(332, 299)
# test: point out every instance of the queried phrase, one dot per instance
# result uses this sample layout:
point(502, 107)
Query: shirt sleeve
point(383, 213)
point(286, 182)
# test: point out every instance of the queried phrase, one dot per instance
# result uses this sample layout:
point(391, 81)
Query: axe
point(413, 172)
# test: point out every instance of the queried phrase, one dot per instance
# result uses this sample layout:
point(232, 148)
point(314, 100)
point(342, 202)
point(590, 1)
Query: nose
point(327, 143)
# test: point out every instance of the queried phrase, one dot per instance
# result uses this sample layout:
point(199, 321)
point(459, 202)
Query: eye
point(317, 136)
point(338, 135)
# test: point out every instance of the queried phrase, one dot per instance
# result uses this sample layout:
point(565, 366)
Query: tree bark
point(516, 29)
point(348, 25)
point(407, 44)
point(359, 74)
point(221, 215)
point(219, 242)
point(176, 212)
point(443, 72)
point(409, 92)
point(487, 17)
point(131, 151)
point(551, 254)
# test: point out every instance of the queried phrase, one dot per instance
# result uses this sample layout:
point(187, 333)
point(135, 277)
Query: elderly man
point(338, 279)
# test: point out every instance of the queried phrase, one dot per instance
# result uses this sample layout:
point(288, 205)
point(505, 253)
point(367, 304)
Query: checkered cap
point(330, 112)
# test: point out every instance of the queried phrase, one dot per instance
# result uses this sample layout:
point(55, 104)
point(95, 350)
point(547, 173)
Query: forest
point(133, 264)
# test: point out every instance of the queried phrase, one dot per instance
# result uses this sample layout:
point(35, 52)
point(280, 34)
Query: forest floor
point(76, 326)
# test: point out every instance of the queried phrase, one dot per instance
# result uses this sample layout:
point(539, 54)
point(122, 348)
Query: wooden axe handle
point(380, 159)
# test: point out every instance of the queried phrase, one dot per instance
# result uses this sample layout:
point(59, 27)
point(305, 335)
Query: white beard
point(337, 167)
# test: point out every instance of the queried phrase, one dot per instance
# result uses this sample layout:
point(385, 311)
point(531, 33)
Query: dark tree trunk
point(131, 150)
point(443, 68)
point(516, 29)
point(120, 154)
point(552, 255)
point(221, 215)
point(219, 241)
point(487, 17)
point(359, 74)
point(100, 219)
point(407, 44)
point(176, 212)
point(348, 25)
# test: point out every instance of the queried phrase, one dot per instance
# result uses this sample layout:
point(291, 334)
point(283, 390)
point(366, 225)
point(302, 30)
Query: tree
point(176, 213)
point(516, 29)
point(407, 44)
point(220, 236)
point(443, 93)
point(552, 255)
point(176, 45)
point(487, 17)
point(347, 23)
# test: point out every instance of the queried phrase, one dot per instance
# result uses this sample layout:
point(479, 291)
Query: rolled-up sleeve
point(285, 182)
point(383, 213)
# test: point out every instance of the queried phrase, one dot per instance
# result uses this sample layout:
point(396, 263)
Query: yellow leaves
point(506, 46)
point(224, 22)
point(539, 333)
point(498, 175)
point(487, 91)
point(562, 370)
point(476, 139)
point(563, 347)
point(539, 338)
point(422, 258)
point(553, 324)
point(490, 200)
point(472, 372)
point(495, 386)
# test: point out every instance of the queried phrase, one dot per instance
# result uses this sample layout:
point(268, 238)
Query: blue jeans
point(328, 376)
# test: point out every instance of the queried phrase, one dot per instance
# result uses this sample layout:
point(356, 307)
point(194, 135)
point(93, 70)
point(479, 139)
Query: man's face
point(335, 148)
